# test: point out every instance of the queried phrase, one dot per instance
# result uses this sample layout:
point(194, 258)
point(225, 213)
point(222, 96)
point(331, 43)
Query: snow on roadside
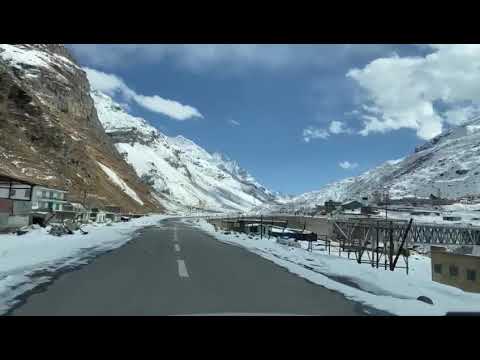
point(120, 183)
point(462, 207)
point(394, 292)
point(467, 216)
point(37, 251)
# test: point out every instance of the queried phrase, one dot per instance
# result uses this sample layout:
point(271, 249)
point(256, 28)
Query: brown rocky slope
point(50, 133)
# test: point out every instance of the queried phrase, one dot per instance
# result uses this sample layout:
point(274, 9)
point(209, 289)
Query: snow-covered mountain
point(448, 165)
point(182, 173)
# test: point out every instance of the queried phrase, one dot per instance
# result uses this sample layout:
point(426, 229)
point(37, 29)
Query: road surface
point(174, 269)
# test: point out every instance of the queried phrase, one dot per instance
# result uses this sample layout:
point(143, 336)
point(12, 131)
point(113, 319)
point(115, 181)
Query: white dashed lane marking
point(177, 247)
point(175, 235)
point(182, 269)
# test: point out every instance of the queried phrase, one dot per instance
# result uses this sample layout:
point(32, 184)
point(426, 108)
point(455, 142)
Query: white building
point(101, 217)
point(97, 215)
point(47, 199)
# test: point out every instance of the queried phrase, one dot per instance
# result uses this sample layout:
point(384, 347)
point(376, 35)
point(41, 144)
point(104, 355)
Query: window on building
point(44, 194)
point(437, 268)
point(28, 192)
point(51, 194)
point(12, 192)
point(453, 270)
point(471, 275)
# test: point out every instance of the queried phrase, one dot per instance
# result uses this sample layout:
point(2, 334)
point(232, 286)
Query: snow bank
point(394, 292)
point(120, 183)
point(462, 207)
point(21, 256)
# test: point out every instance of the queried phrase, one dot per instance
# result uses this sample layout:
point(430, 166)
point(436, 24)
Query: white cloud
point(231, 56)
point(335, 128)
point(339, 127)
point(107, 83)
point(193, 56)
point(314, 133)
point(402, 91)
point(233, 122)
point(170, 108)
point(113, 85)
point(347, 165)
point(354, 112)
point(371, 109)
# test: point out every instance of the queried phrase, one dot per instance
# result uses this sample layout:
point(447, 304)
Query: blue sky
point(271, 107)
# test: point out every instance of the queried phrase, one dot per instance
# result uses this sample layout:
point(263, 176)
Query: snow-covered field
point(470, 215)
point(37, 251)
point(394, 292)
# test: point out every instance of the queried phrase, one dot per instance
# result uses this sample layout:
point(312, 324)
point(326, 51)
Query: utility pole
point(84, 203)
point(65, 153)
point(261, 226)
point(85, 198)
point(386, 193)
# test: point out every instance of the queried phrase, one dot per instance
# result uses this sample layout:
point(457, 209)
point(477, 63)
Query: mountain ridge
point(182, 173)
point(447, 165)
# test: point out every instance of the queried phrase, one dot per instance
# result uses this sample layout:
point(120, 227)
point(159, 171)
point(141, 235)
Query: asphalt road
point(177, 270)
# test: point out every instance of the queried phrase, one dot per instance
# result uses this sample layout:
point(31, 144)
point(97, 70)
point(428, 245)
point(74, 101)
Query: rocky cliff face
point(50, 133)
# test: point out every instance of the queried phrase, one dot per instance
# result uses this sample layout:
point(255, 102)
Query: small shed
point(421, 213)
point(331, 205)
point(98, 215)
point(452, 218)
point(15, 202)
point(367, 210)
point(257, 228)
point(352, 205)
point(114, 217)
